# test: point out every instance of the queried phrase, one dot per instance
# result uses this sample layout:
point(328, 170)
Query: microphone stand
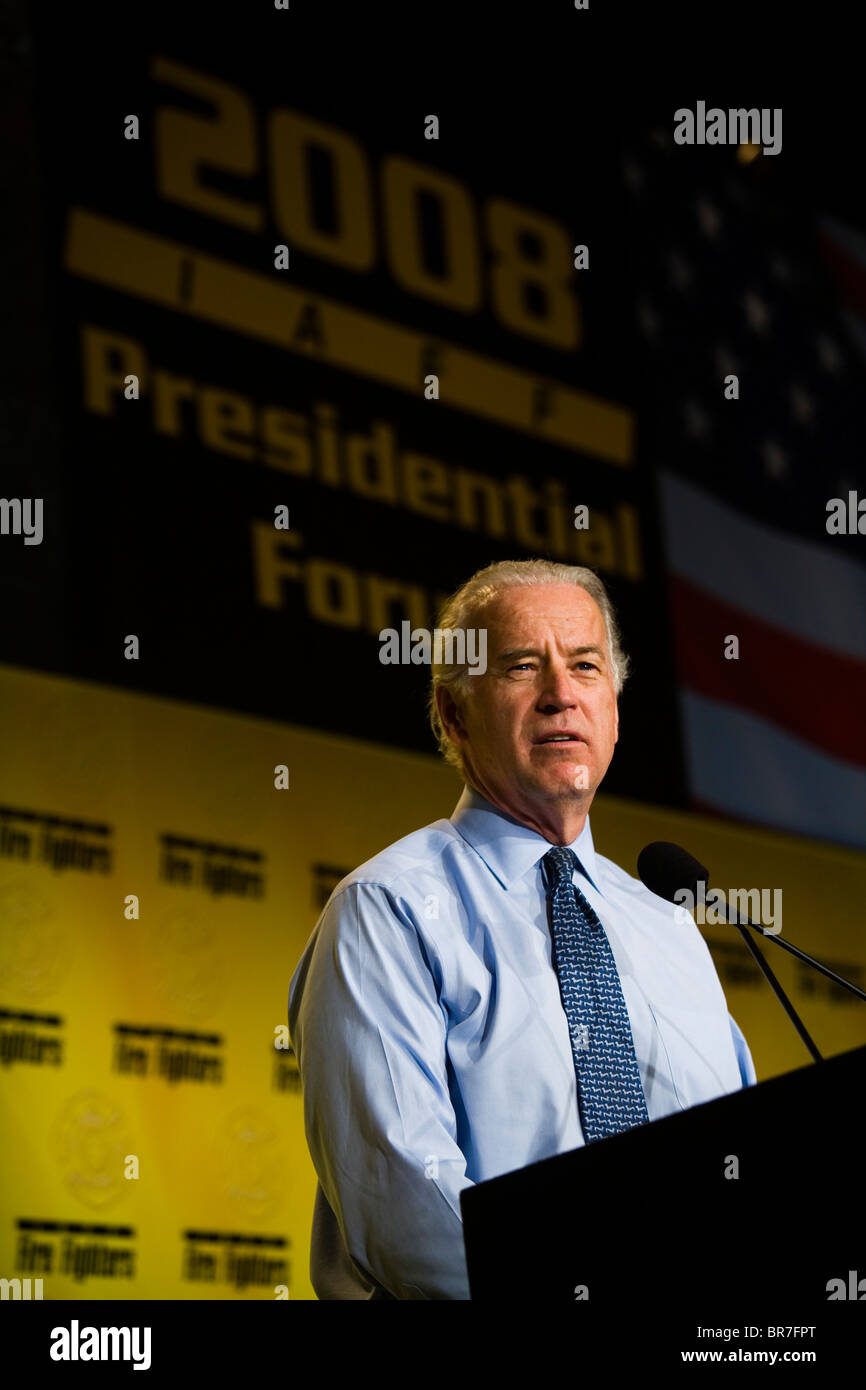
point(801, 955)
point(778, 991)
point(774, 983)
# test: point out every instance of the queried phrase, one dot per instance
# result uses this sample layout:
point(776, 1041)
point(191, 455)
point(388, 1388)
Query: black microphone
point(667, 870)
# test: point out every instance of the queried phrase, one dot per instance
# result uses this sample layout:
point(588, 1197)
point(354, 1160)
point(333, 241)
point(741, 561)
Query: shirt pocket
point(699, 1050)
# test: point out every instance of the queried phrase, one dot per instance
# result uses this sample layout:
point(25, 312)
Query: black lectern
point(655, 1217)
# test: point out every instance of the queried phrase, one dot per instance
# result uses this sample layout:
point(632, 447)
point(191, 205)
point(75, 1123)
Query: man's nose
point(558, 689)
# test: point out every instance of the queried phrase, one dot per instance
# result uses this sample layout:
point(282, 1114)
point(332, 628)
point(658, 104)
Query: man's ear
point(616, 722)
point(449, 714)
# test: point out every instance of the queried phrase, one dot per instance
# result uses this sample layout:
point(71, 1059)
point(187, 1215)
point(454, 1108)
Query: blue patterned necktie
point(609, 1090)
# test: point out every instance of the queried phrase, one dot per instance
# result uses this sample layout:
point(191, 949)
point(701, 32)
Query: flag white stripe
point(795, 584)
point(748, 768)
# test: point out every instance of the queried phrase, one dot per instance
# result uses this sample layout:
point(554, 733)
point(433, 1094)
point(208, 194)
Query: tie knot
point(561, 862)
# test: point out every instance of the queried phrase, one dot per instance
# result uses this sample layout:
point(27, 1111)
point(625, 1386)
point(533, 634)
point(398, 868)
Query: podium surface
point(657, 1215)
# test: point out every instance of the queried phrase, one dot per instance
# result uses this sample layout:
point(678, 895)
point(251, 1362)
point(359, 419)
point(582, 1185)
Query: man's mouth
point(560, 738)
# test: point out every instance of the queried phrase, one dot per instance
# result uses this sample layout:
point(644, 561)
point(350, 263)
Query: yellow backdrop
point(153, 1133)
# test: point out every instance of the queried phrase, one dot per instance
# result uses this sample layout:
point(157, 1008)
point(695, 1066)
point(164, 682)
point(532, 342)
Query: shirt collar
point(508, 848)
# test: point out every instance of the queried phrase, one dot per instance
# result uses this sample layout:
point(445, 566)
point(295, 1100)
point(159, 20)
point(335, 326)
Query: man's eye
point(528, 666)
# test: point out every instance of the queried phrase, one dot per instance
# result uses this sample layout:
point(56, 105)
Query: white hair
point(485, 585)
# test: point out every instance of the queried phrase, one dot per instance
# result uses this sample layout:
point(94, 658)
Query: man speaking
point(489, 991)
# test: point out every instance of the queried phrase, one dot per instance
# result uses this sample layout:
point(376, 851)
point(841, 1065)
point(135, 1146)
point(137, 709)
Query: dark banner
point(323, 351)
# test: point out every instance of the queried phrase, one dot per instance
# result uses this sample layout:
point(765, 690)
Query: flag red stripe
point(809, 691)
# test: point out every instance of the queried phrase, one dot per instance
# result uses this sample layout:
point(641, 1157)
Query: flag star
point(697, 421)
point(727, 364)
point(647, 318)
point(802, 404)
point(756, 312)
point(633, 175)
point(681, 271)
point(775, 459)
point(829, 353)
point(708, 217)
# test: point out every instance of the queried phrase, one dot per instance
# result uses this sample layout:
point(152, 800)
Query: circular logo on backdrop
point(187, 969)
point(35, 949)
point(92, 1140)
point(252, 1164)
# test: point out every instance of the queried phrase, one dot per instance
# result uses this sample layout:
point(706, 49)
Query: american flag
point(732, 277)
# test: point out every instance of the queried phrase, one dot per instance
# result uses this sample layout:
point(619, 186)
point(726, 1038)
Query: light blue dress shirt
point(433, 1047)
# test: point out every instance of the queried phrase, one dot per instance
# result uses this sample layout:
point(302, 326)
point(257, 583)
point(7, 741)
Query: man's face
point(548, 673)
